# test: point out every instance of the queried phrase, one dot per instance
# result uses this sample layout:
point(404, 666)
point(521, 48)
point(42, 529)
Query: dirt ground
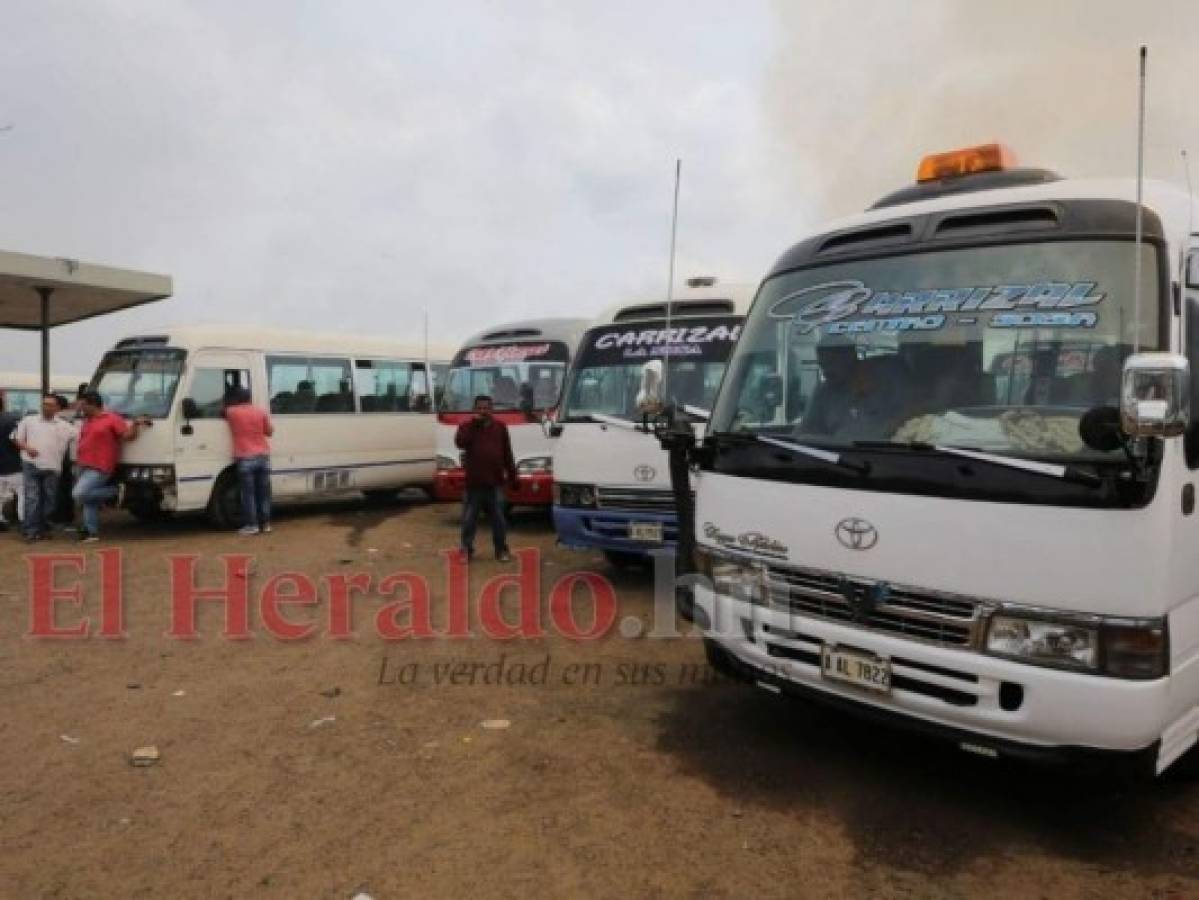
point(288, 770)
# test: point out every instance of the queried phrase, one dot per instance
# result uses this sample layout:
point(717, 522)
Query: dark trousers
point(254, 473)
point(491, 501)
point(41, 489)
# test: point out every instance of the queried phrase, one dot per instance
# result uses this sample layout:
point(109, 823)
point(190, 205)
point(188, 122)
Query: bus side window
point(1191, 439)
point(211, 387)
point(383, 385)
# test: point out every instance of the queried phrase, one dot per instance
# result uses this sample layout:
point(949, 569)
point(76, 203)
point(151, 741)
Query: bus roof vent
point(998, 221)
point(143, 340)
point(677, 308)
point(512, 334)
point(867, 237)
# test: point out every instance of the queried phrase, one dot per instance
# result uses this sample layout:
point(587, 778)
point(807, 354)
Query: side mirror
point(190, 411)
point(1155, 395)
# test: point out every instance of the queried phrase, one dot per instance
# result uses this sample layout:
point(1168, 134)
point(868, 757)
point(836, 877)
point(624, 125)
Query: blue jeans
point(91, 491)
point(491, 500)
point(254, 474)
point(41, 488)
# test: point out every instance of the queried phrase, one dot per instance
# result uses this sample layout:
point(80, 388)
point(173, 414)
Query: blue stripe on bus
point(372, 465)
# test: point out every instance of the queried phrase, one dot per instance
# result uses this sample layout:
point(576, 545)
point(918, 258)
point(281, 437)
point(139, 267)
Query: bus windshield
point(620, 369)
point(525, 376)
point(999, 348)
point(139, 382)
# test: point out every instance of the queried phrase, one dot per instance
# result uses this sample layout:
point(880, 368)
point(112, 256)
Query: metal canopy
point(38, 293)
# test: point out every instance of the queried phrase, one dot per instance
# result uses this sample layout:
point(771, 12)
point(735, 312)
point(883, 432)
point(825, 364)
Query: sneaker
point(247, 530)
point(86, 537)
point(503, 556)
point(266, 529)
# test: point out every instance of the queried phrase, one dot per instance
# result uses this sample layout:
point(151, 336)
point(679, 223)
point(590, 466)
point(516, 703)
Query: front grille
point(635, 499)
point(910, 612)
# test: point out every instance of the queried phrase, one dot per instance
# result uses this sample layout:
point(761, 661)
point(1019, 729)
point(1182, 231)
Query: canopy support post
point(44, 293)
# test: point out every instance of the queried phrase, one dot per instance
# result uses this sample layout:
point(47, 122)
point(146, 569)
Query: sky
point(356, 166)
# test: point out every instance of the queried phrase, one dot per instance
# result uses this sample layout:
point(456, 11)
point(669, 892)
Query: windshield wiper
point(1049, 470)
point(826, 456)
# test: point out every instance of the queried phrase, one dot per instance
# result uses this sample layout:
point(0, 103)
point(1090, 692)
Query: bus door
point(203, 445)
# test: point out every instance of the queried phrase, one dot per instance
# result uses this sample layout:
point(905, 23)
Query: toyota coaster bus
point(350, 414)
point(521, 366)
point(612, 483)
point(950, 478)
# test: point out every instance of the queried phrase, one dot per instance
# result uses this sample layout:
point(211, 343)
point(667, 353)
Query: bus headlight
point(445, 462)
point(1044, 643)
point(1121, 648)
point(582, 495)
point(535, 465)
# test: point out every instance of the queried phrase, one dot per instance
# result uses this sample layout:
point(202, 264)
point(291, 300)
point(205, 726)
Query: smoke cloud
point(860, 90)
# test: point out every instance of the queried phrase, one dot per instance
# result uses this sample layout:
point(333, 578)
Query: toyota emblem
point(644, 472)
point(856, 534)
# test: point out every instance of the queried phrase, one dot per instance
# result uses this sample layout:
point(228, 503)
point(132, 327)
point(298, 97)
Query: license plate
point(860, 669)
point(650, 532)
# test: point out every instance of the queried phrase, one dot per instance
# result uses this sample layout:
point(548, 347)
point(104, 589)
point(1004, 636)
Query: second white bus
point(350, 414)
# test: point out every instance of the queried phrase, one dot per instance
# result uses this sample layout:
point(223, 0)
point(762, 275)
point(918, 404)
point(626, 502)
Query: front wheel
point(224, 506)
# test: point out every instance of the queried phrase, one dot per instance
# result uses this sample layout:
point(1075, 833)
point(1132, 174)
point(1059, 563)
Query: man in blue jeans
point(100, 438)
point(251, 429)
point(43, 441)
point(489, 464)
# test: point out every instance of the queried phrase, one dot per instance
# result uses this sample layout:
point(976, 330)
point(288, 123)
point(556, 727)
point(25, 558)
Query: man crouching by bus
point(98, 452)
point(251, 429)
point(489, 464)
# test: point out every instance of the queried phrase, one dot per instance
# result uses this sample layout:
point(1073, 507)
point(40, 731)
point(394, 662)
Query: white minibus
point(350, 414)
point(22, 391)
point(611, 481)
point(521, 366)
point(949, 480)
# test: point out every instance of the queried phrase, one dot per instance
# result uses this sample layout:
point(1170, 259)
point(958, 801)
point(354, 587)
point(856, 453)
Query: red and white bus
point(521, 366)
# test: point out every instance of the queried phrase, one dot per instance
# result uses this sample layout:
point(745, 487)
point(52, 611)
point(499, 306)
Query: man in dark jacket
point(489, 465)
point(11, 483)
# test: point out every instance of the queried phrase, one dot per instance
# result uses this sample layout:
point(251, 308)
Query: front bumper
point(1005, 707)
point(608, 529)
point(531, 490)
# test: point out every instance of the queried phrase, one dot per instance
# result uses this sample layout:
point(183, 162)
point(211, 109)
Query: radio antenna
point(1186, 168)
point(429, 369)
point(674, 232)
point(1140, 225)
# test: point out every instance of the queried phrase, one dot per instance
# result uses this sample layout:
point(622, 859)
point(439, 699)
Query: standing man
point(489, 464)
point(100, 439)
point(10, 466)
point(43, 441)
point(251, 428)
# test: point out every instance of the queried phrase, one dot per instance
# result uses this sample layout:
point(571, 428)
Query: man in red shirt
point(99, 450)
point(251, 429)
point(489, 464)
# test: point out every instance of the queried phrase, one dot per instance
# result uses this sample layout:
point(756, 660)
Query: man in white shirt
point(43, 441)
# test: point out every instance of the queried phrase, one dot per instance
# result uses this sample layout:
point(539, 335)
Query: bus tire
point(224, 506)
